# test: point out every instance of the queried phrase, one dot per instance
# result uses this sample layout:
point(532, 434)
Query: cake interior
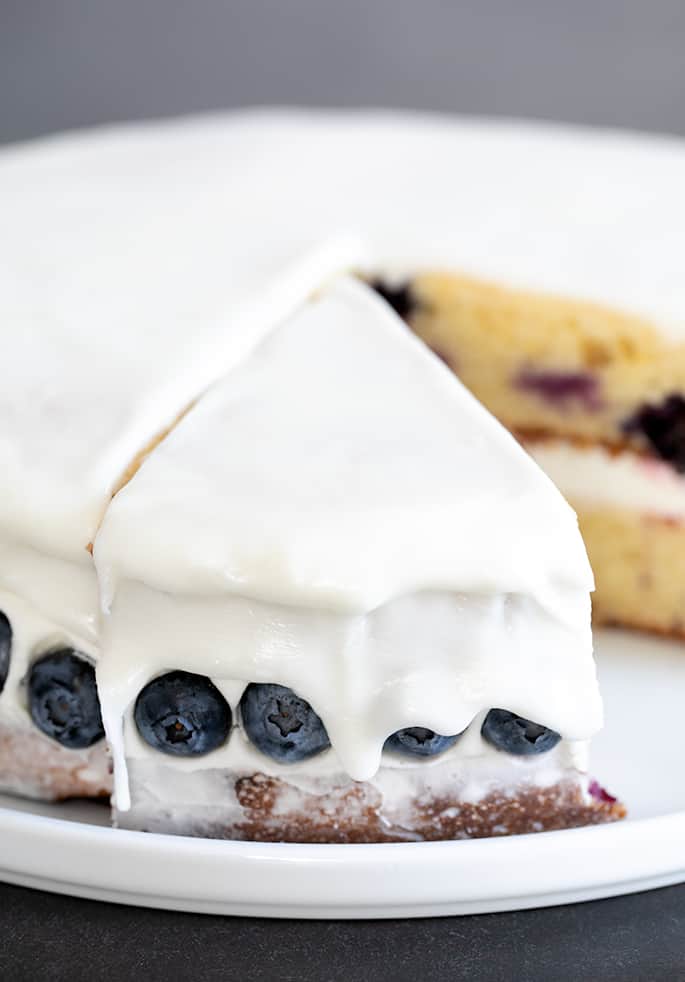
point(607, 391)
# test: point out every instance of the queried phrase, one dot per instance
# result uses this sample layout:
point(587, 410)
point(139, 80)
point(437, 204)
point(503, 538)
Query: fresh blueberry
point(663, 428)
point(400, 297)
point(5, 648)
point(516, 735)
point(417, 741)
point(280, 724)
point(182, 714)
point(63, 699)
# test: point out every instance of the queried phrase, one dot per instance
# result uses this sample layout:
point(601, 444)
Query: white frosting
point(595, 477)
point(556, 208)
point(341, 466)
point(138, 263)
point(341, 516)
point(121, 300)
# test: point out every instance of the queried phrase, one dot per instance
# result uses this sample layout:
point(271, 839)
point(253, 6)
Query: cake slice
point(343, 605)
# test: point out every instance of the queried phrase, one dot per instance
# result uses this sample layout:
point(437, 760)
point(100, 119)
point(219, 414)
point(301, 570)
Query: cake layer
point(547, 364)
point(267, 809)
point(33, 766)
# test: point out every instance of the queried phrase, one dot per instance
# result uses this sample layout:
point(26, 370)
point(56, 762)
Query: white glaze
point(593, 477)
point(368, 535)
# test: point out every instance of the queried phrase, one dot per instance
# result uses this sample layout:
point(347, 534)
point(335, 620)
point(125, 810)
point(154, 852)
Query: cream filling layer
point(593, 477)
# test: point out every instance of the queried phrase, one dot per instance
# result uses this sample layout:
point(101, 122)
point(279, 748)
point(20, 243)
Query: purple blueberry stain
point(561, 388)
point(599, 793)
point(662, 426)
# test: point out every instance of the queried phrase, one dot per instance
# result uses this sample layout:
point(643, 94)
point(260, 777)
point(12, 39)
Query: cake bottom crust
point(33, 766)
point(270, 810)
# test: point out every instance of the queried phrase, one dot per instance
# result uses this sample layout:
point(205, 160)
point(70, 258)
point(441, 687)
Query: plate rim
point(419, 879)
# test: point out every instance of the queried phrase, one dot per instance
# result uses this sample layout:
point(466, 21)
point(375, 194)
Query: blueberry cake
point(268, 568)
point(346, 652)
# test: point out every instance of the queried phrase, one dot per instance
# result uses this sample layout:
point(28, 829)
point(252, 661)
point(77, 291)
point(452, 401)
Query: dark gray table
point(618, 62)
point(48, 938)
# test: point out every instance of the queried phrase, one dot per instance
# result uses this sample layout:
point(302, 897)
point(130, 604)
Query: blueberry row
point(183, 714)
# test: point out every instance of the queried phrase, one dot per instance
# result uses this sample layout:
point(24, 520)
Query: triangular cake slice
point(342, 604)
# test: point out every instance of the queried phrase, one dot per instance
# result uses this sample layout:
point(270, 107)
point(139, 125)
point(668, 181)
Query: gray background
point(67, 63)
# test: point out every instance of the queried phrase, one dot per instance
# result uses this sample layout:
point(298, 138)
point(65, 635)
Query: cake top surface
point(139, 263)
point(593, 214)
point(340, 465)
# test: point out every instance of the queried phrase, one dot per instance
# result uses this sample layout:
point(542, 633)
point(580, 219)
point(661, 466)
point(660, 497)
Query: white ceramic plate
point(70, 849)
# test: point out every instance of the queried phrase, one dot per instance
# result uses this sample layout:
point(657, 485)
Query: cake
point(342, 605)
point(168, 289)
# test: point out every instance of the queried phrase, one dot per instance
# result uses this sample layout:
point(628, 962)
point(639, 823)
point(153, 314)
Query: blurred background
point(66, 63)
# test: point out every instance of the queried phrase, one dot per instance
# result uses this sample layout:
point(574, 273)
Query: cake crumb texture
point(35, 767)
point(544, 363)
point(271, 810)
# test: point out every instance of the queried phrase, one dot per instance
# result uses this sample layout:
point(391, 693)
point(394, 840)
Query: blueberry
point(280, 724)
point(182, 714)
point(400, 297)
point(63, 699)
point(516, 735)
point(417, 741)
point(5, 648)
point(663, 428)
